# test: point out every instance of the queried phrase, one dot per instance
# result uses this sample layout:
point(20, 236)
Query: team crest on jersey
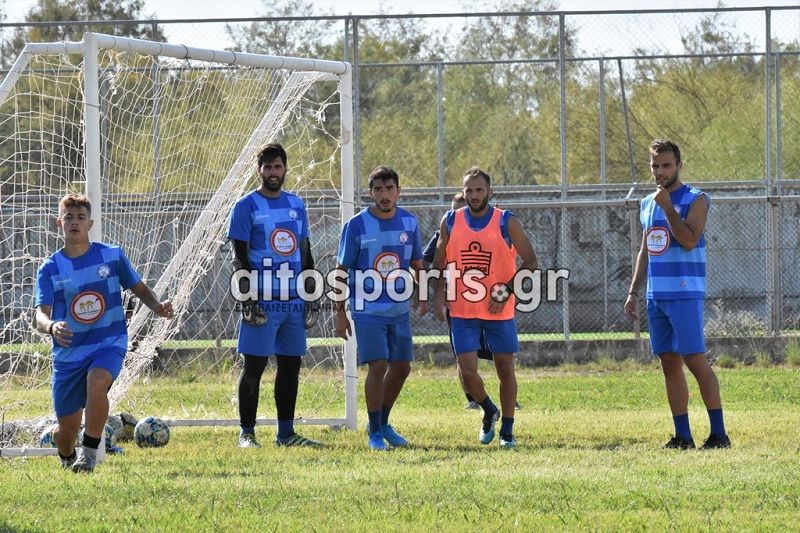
point(293, 214)
point(87, 307)
point(386, 262)
point(103, 271)
point(403, 237)
point(657, 240)
point(474, 258)
point(284, 242)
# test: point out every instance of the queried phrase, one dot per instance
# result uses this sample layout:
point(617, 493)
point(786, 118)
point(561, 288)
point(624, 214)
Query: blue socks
point(385, 415)
point(375, 421)
point(507, 426)
point(285, 429)
point(682, 430)
point(717, 422)
point(489, 408)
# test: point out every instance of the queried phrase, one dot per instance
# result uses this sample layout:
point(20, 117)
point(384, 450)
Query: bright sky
point(613, 35)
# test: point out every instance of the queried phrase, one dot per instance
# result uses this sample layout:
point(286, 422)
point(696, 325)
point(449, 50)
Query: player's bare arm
point(639, 273)
point(439, 263)
point(57, 328)
point(149, 298)
point(688, 232)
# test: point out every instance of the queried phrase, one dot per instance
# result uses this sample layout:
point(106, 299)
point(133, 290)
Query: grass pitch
point(589, 458)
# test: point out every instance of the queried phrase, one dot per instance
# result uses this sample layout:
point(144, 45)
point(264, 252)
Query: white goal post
point(162, 139)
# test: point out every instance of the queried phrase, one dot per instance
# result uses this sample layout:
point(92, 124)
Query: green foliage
point(80, 10)
point(726, 361)
point(763, 360)
point(793, 353)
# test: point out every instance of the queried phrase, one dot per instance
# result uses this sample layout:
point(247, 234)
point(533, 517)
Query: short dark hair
point(475, 171)
point(74, 200)
point(660, 146)
point(269, 152)
point(384, 174)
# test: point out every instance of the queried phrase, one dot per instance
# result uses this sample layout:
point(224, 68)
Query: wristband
point(634, 293)
point(50, 329)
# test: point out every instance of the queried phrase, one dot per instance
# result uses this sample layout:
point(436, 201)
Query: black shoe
point(716, 441)
point(677, 443)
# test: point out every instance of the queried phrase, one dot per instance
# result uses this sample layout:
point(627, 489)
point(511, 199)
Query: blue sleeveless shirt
point(673, 273)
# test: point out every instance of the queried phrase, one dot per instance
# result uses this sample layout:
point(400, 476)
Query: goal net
point(163, 139)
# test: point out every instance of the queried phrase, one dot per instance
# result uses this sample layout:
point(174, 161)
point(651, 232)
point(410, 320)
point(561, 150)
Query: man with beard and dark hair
point(269, 229)
point(478, 247)
point(673, 259)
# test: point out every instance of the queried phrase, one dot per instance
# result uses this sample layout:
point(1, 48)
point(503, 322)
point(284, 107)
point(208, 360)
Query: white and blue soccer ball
point(45, 439)
point(128, 424)
point(116, 424)
point(151, 432)
point(111, 440)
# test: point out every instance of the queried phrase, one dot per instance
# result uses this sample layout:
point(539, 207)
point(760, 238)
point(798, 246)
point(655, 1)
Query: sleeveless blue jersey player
point(86, 293)
point(676, 277)
point(273, 229)
point(672, 258)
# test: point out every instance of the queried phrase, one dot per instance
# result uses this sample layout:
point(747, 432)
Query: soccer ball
point(111, 440)
point(128, 424)
point(46, 437)
point(500, 292)
point(151, 432)
point(116, 424)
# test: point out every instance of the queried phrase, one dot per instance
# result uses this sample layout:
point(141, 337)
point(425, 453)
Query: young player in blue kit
point(383, 240)
point(79, 303)
point(269, 230)
point(673, 259)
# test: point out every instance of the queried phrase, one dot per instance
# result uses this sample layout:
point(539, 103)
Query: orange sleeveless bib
point(483, 251)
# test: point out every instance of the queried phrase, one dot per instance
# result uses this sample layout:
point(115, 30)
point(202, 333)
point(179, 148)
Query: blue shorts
point(676, 326)
point(283, 334)
point(384, 341)
point(69, 379)
point(483, 351)
point(500, 335)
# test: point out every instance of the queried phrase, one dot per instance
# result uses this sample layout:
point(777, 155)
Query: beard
point(480, 207)
point(271, 185)
point(669, 183)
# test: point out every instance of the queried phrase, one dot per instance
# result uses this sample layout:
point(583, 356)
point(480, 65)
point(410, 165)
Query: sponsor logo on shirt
point(657, 240)
point(284, 242)
point(386, 262)
point(474, 258)
point(87, 307)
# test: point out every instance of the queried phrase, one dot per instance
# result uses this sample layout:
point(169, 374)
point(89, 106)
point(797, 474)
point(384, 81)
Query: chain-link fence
point(559, 108)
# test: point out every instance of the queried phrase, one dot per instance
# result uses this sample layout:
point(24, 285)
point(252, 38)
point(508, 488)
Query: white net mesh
point(178, 146)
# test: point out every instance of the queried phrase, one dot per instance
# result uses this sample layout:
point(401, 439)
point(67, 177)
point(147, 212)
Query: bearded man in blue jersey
point(269, 232)
point(673, 259)
point(382, 241)
point(79, 303)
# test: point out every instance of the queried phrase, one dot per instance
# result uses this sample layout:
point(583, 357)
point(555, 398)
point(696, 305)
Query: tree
point(76, 11)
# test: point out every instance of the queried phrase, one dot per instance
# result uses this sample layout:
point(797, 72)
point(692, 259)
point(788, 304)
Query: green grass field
point(589, 459)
